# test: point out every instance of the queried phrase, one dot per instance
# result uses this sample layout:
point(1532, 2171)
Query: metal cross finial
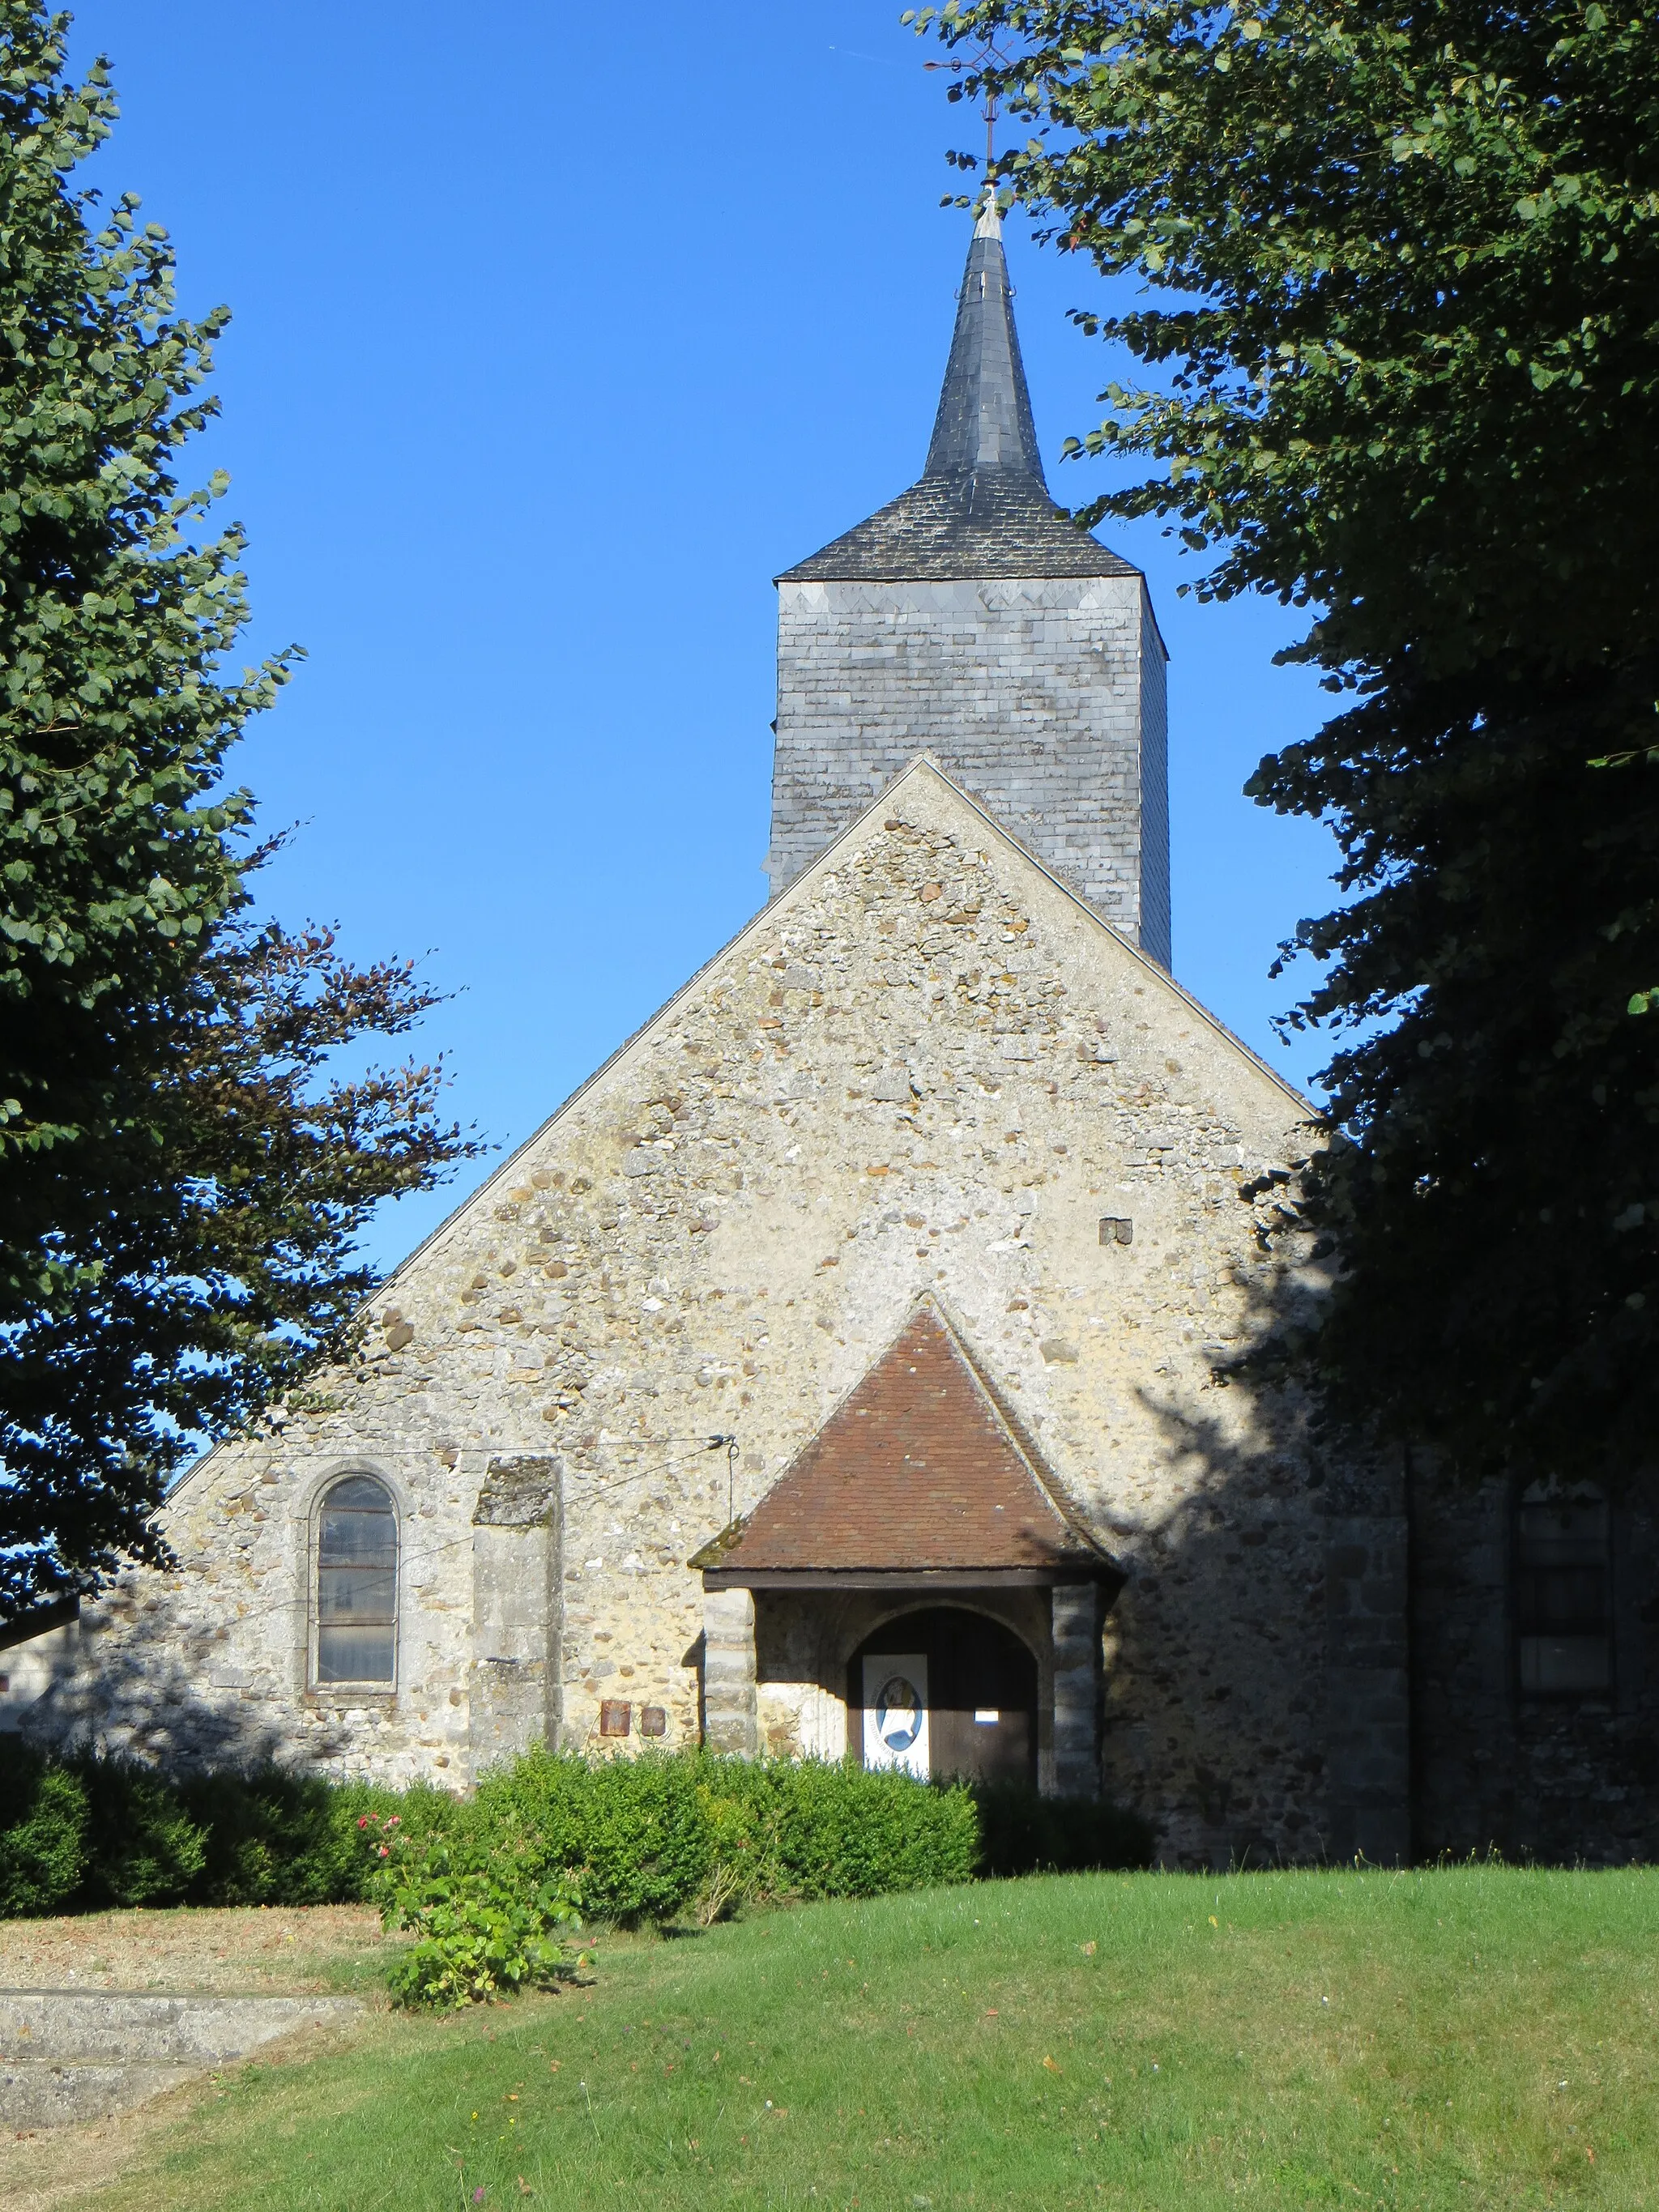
point(988, 52)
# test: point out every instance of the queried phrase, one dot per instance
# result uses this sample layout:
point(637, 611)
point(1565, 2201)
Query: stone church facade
point(840, 1370)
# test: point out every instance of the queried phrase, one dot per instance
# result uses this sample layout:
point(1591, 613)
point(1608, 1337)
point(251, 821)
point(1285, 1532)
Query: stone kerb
point(69, 2056)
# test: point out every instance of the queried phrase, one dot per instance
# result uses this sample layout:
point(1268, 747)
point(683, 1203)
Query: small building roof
point(918, 1471)
point(982, 506)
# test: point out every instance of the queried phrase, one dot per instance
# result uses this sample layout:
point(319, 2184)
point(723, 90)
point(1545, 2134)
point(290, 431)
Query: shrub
point(276, 1837)
point(742, 1809)
point(486, 1923)
point(43, 1847)
point(1020, 1832)
point(840, 1831)
point(89, 1833)
point(142, 1848)
point(648, 1845)
point(644, 1839)
point(543, 1800)
point(789, 1828)
point(641, 1839)
point(633, 1834)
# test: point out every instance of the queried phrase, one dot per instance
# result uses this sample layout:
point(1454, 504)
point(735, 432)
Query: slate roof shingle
point(982, 506)
point(987, 522)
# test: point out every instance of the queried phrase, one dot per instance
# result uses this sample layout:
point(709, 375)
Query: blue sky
point(551, 346)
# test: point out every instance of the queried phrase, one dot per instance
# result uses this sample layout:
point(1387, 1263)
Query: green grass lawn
point(1481, 2036)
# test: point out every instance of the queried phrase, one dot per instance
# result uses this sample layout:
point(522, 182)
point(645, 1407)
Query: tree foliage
point(1398, 315)
point(181, 1170)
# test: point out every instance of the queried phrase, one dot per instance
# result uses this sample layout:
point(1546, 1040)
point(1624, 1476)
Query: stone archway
point(981, 1693)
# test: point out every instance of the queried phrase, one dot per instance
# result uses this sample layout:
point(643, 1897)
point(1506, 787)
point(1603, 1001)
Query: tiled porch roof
point(918, 1469)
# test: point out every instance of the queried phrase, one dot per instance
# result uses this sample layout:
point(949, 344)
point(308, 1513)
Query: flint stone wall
point(925, 1067)
point(1562, 1779)
point(1368, 1695)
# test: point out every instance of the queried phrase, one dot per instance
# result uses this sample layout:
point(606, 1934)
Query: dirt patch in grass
point(325, 1949)
point(39, 2172)
point(47, 2168)
point(261, 1951)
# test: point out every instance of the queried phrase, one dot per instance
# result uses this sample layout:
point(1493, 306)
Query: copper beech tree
point(1390, 274)
point(182, 1172)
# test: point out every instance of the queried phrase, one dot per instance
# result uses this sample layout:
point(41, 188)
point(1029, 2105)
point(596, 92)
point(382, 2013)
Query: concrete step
point(68, 2054)
point(34, 2094)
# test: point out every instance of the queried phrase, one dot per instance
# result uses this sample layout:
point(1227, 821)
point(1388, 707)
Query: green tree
point(181, 1174)
point(1398, 312)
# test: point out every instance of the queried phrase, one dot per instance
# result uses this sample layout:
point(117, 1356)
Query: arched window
point(357, 1582)
point(1564, 1595)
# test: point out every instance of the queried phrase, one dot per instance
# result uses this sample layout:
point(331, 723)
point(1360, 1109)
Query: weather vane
point(985, 54)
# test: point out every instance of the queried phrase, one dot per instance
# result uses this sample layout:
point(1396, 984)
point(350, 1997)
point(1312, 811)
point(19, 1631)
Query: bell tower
point(970, 618)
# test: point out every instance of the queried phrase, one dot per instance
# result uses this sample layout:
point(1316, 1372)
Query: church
point(843, 1370)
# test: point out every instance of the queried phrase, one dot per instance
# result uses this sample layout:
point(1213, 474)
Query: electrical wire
point(725, 1443)
point(406, 1559)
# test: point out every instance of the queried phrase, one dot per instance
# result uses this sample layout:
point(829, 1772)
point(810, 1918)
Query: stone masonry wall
point(1367, 1680)
point(1557, 1778)
point(925, 1067)
point(1030, 694)
point(517, 1610)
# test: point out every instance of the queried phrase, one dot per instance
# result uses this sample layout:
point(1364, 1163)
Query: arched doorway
point(946, 1691)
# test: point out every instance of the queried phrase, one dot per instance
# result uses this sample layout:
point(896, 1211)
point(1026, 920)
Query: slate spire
point(1034, 677)
point(982, 506)
point(984, 419)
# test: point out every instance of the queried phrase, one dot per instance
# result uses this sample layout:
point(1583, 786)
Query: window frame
point(1564, 1493)
point(357, 1686)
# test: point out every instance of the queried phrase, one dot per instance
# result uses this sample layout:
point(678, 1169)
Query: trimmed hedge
point(1020, 1832)
point(636, 1830)
point(642, 1839)
point(652, 1836)
point(83, 1834)
point(802, 1828)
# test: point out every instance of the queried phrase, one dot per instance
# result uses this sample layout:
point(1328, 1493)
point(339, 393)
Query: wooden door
point(981, 1691)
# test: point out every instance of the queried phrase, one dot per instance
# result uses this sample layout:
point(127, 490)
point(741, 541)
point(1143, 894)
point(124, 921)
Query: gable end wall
point(926, 1069)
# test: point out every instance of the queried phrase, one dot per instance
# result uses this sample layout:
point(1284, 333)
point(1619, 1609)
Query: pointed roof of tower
point(982, 506)
point(984, 419)
point(919, 1470)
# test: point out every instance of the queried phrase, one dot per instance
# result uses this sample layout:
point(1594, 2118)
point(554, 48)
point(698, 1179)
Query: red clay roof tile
point(917, 1468)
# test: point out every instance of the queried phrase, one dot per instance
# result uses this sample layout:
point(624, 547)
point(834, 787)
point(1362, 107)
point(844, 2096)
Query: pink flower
point(477, 2196)
point(386, 1851)
point(363, 1823)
